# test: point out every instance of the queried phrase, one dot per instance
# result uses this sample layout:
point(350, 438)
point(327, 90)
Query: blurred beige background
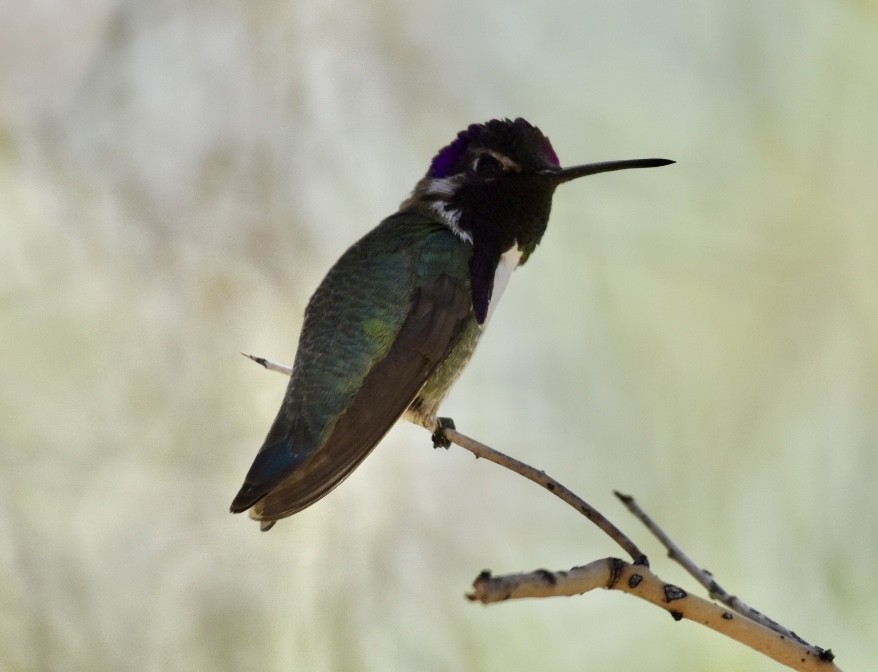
point(175, 178)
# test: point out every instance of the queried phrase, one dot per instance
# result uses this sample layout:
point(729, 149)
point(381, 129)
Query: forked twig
point(749, 626)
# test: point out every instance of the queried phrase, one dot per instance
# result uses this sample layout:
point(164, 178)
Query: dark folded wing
point(438, 313)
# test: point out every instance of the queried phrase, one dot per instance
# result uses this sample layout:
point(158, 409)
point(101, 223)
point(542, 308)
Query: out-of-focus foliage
point(176, 176)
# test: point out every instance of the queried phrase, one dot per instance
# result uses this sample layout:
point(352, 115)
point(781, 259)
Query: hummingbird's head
point(489, 183)
point(493, 186)
point(495, 182)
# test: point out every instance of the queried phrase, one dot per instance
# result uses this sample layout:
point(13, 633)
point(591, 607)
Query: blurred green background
point(175, 178)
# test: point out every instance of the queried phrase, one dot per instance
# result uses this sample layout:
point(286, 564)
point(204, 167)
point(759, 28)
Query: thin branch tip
point(269, 364)
point(259, 360)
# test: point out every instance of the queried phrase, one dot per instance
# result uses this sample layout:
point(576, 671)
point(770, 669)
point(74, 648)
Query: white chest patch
point(508, 263)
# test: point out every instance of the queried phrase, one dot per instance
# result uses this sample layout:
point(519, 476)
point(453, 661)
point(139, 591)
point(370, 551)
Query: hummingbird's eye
point(487, 166)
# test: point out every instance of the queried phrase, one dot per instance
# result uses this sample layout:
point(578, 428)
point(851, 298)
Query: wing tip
point(247, 496)
point(273, 463)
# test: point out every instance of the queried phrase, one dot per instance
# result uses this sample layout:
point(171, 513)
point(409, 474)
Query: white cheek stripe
point(443, 187)
point(451, 218)
point(508, 263)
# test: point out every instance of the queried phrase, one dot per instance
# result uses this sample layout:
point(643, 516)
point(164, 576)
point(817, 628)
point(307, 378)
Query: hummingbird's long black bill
point(571, 173)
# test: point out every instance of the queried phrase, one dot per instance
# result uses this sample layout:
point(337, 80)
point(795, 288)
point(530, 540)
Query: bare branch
point(539, 477)
point(639, 581)
point(749, 627)
point(542, 478)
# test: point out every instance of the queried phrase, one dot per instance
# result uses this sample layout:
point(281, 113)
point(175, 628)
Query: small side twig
point(706, 579)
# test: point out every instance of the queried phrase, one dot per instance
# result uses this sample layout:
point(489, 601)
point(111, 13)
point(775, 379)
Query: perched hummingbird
point(397, 318)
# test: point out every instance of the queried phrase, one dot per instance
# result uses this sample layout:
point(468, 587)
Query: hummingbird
point(397, 318)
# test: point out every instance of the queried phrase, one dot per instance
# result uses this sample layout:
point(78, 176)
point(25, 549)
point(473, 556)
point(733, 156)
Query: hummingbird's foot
point(439, 440)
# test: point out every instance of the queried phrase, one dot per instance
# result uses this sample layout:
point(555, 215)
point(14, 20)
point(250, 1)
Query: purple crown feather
point(521, 141)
